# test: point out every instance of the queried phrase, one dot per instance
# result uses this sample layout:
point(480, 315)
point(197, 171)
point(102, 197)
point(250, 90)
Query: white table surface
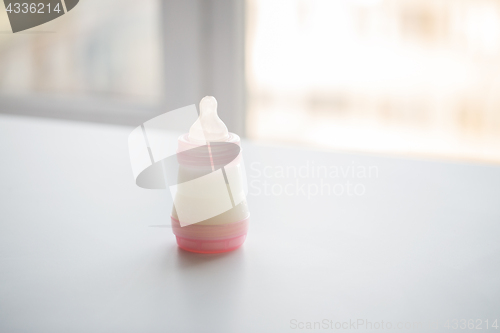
point(82, 249)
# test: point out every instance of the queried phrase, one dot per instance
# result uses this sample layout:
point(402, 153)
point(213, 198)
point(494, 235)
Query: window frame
point(203, 54)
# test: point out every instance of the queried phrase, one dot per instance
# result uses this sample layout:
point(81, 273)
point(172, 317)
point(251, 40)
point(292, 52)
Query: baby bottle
point(210, 212)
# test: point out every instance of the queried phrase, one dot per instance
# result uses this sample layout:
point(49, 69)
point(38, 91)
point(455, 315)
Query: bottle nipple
point(208, 126)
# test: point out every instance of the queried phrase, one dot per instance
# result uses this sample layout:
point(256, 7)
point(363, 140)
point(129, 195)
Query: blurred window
point(419, 77)
point(103, 48)
point(126, 61)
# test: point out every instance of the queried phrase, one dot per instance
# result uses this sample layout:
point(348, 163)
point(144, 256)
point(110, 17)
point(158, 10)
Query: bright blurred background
point(392, 76)
point(399, 77)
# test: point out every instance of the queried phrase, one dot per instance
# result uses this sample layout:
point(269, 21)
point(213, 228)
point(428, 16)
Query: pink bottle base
point(210, 246)
point(210, 238)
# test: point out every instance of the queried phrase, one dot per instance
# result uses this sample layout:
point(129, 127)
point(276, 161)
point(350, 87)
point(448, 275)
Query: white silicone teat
point(208, 126)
